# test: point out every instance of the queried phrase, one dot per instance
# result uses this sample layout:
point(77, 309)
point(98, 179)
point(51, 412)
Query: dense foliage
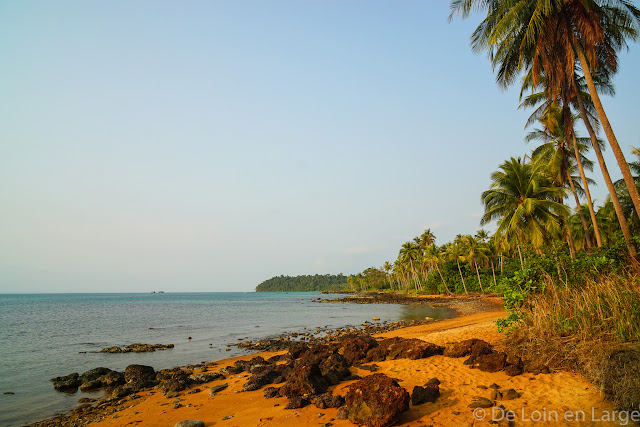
point(318, 282)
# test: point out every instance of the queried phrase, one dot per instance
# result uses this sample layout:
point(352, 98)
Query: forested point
point(308, 283)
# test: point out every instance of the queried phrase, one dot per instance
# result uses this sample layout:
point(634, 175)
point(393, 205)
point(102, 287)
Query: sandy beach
point(560, 398)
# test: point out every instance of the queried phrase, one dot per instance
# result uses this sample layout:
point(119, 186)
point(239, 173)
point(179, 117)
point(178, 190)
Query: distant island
point(308, 283)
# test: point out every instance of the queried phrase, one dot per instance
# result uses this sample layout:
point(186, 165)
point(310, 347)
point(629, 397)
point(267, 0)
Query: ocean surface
point(44, 335)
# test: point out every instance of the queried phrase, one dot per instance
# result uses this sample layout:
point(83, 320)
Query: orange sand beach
point(561, 398)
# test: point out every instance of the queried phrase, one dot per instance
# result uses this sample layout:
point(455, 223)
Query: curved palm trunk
point(592, 211)
point(479, 281)
point(493, 270)
point(443, 282)
point(607, 178)
point(608, 130)
point(572, 245)
point(587, 236)
point(462, 278)
point(520, 254)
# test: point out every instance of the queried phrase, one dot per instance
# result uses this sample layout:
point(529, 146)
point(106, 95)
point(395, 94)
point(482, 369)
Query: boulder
point(112, 379)
point(429, 393)
point(403, 348)
point(305, 379)
point(189, 423)
point(493, 362)
point(140, 376)
point(327, 400)
point(120, 392)
point(297, 402)
point(94, 374)
point(264, 377)
point(510, 394)
point(376, 400)
point(67, 382)
point(271, 392)
point(355, 348)
point(481, 402)
point(172, 385)
point(205, 377)
point(468, 347)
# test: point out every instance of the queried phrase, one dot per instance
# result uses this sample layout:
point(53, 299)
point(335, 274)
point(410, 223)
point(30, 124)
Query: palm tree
point(387, 269)
point(523, 201)
point(473, 252)
point(453, 252)
point(434, 257)
point(546, 36)
point(410, 254)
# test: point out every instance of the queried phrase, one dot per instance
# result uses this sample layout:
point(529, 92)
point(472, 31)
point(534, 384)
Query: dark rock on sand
point(327, 400)
point(481, 402)
point(355, 348)
point(140, 376)
point(304, 379)
point(271, 392)
point(205, 377)
point(402, 348)
point(376, 401)
point(189, 423)
point(174, 384)
point(472, 347)
point(493, 362)
point(297, 402)
point(510, 394)
point(218, 388)
point(420, 395)
point(120, 392)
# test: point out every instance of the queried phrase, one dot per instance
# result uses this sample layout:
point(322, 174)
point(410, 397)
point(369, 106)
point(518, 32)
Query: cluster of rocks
point(305, 373)
point(136, 348)
point(325, 336)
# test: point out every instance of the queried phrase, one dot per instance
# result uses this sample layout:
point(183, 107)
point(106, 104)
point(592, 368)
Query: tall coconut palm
point(474, 252)
point(523, 201)
point(410, 254)
point(452, 252)
point(550, 36)
point(387, 267)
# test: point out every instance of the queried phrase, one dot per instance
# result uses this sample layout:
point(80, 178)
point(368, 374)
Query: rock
point(91, 385)
point(297, 402)
point(266, 375)
point(327, 400)
point(481, 402)
point(493, 362)
point(375, 318)
point(205, 377)
point(271, 392)
point(376, 401)
point(401, 348)
point(510, 394)
point(217, 388)
point(371, 368)
point(171, 394)
point(495, 394)
point(67, 382)
point(535, 367)
point(93, 374)
point(189, 423)
point(468, 347)
point(513, 370)
point(420, 395)
point(112, 378)
point(355, 348)
point(304, 379)
point(353, 378)
point(231, 370)
point(432, 382)
point(140, 376)
point(494, 385)
point(120, 392)
point(172, 385)
point(136, 348)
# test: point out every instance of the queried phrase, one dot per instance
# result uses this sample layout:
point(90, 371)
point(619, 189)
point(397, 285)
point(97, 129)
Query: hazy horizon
point(209, 146)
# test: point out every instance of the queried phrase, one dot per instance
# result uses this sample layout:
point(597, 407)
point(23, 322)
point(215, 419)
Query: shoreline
point(563, 392)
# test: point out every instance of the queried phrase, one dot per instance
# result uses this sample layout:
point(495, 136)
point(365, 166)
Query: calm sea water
point(41, 336)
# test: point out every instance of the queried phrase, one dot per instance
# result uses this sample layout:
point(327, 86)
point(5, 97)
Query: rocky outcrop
point(140, 376)
point(429, 393)
point(376, 400)
point(136, 348)
point(67, 382)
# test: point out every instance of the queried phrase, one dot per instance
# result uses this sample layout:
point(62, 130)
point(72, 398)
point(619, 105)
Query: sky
point(210, 145)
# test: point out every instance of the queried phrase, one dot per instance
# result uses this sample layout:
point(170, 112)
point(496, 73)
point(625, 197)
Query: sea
point(48, 335)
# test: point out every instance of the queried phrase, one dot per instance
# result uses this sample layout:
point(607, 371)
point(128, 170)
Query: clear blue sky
point(210, 145)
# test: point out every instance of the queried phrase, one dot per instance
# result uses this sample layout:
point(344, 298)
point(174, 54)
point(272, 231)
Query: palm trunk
point(462, 278)
point(520, 254)
point(443, 282)
point(592, 211)
point(479, 281)
point(608, 130)
point(607, 178)
point(493, 270)
point(587, 236)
